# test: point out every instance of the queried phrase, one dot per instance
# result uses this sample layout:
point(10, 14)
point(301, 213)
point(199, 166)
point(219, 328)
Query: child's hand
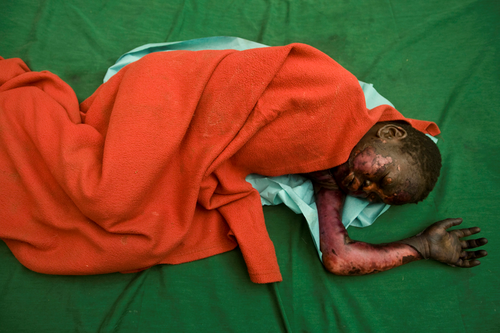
point(445, 246)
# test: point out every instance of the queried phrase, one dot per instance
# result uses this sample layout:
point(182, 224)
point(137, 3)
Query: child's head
point(393, 163)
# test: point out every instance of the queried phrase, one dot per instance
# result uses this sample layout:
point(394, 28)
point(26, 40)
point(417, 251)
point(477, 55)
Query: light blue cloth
point(209, 43)
point(294, 191)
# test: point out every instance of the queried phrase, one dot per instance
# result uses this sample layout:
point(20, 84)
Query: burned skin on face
point(378, 174)
point(371, 164)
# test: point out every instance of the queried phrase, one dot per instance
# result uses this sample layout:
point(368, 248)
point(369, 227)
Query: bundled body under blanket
point(151, 168)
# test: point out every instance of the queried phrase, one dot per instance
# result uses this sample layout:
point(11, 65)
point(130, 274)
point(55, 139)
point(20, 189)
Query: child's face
point(377, 171)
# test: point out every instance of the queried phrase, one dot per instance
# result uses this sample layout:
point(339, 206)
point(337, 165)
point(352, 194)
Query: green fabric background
point(435, 60)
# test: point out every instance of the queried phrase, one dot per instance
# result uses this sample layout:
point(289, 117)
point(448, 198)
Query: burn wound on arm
point(344, 256)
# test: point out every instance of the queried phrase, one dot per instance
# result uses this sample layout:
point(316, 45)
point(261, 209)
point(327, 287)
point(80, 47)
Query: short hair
point(425, 155)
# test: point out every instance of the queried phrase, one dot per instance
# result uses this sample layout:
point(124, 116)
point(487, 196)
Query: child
point(151, 168)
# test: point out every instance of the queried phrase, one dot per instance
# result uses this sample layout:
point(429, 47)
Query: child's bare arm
point(344, 256)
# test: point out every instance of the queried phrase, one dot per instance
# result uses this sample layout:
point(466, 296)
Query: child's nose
point(367, 184)
point(370, 187)
point(372, 190)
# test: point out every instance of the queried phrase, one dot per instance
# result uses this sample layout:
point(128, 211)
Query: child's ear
point(391, 131)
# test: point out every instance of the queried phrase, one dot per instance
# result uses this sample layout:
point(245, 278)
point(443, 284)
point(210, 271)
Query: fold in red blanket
point(151, 168)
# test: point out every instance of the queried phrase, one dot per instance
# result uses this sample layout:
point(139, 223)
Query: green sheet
point(433, 60)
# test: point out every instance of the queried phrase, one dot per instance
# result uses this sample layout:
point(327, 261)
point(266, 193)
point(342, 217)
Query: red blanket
point(151, 168)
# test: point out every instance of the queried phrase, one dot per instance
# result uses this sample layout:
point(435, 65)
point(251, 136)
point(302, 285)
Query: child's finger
point(460, 233)
point(448, 223)
point(466, 263)
point(472, 243)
